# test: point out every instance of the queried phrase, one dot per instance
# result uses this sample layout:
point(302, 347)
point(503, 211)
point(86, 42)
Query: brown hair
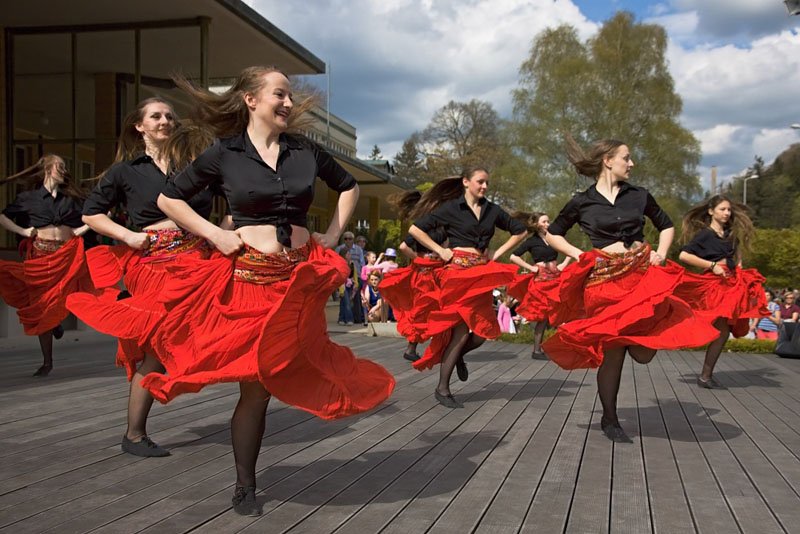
point(34, 176)
point(405, 203)
point(186, 143)
point(226, 114)
point(444, 190)
point(530, 220)
point(130, 141)
point(591, 164)
point(375, 272)
point(739, 225)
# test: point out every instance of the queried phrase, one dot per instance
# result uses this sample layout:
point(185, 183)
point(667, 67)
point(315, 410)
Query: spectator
point(361, 242)
point(504, 315)
point(357, 257)
point(372, 298)
point(767, 327)
point(386, 262)
point(348, 291)
point(790, 311)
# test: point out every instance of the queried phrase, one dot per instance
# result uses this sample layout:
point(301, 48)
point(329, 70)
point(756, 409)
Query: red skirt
point(531, 290)
point(614, 300)
point(39, 286)
point(464, 295)
point(261, 317)
point(134, 320)
point(413, 294)
point(738, 297)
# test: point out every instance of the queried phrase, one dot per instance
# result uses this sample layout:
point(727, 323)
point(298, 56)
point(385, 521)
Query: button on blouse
point(136, 184)
point(40, 208)
point(465, 230)
point(606, 223)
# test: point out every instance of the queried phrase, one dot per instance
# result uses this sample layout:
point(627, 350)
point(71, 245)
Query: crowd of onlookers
point(359, 298)
point(782, 305)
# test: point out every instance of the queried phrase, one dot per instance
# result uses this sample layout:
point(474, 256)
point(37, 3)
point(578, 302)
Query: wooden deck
point(525, 455)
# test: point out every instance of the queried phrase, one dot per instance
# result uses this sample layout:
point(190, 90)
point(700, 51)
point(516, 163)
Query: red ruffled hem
point(532, 296)
point(464, 296)
point(738, 298)
point(218, 329)
point(413, 294)
point(39, 287)
point(637, 308)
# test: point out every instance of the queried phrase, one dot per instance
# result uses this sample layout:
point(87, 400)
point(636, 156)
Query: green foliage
point(376, 152)
point(775, 255)
point(388, 234)
point(408, 163)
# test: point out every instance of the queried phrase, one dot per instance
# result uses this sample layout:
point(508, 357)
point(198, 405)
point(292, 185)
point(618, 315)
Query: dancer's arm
point(511, 243)
point(524, 264)
point(104, 225)
point(345, 208)
point(696, 261)
point(11, 226)
point(560, 244)
point(426, 241)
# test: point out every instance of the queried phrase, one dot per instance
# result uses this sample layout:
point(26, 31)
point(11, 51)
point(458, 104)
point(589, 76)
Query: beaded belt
point(612, 265)
point(256, 267)
point(547, 271)
point(43, 247)
point(464, 259)
point(165, 244)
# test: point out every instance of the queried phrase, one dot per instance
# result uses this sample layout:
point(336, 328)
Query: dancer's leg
point(46, 344)
point(451, 356)
point(140, 400)
point(715, 348)
point(247, 430)
point(608, 379)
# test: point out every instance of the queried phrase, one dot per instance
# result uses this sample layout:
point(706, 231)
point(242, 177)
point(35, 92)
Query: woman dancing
point(465, 317)
point(54, 265)
point(617, 297)
point(717, 232)
point(544, 268)
point(257, 316)
point(144, 164)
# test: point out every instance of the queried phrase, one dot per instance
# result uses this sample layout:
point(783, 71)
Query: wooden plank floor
point(524, 455)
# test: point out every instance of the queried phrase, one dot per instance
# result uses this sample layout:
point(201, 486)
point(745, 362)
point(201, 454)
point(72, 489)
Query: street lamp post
point(746, 178)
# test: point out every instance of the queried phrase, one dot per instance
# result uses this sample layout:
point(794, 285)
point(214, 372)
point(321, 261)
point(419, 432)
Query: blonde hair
point(591, 164)
point(34, 176)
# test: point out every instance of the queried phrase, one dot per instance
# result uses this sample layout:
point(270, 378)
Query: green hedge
point(752, 346)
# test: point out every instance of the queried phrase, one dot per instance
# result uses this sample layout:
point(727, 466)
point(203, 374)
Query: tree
point(408, 163)
point(775, 256)
point(616, 85)
point(376, 153)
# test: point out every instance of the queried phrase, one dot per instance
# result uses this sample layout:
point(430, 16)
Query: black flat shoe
point(539, 355)
point(447, 400)
point(411, 356)
point(43, 370)
point(614, 432)
point(461, 369)
point(145, 447)
point(711, 383)
point(58, 332)
point(244, 501)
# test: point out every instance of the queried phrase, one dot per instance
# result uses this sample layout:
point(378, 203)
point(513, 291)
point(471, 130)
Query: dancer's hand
point(325, 240)
point(719, 271)
point(29, 232)
point(79, 231)
point(656, 258)
point(227, 241)
point(446, 254)
point(137, 240)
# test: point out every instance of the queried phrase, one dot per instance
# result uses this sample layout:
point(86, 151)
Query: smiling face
point(721, 213)
point(543, 224)
point(272, 104)
point(619, 163)
point(477, 184)
point(157, 123)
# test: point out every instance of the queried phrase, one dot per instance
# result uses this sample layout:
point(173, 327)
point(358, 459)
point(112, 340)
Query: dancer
point(465, 283)
point(617, 297)
point(411, 290)
point(143, 165)
point(717, 232)
point(544, 268)
point(257, 316)
point(53, 263)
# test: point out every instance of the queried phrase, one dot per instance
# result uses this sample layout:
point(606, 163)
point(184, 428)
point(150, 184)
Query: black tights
point(461, 343)
point(46, 344)
point(538, 335)
point(139, 399)
point(610, 373)
point(715, 348)
point(247, 430)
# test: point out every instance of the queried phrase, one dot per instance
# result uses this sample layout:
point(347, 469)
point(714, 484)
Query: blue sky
point(735, 63)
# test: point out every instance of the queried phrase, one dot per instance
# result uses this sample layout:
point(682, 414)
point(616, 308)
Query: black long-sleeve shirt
point(539, 250)
point(40, 208)
point(438, 235)
point(706, 244)
point(606, 223)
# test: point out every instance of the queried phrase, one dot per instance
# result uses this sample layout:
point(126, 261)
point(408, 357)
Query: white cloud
point(718, 139)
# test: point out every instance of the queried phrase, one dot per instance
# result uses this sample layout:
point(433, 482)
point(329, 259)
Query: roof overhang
point(374, 183)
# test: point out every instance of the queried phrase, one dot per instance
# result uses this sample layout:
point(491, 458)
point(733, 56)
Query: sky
point(393, 63)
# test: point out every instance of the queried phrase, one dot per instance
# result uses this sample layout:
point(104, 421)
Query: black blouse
point(706, 244)
point(606, 223)
point(438, 234)
point(38, 207)
point(540, 251)
point(463, 229)
point(136, 184)
point(256, 193)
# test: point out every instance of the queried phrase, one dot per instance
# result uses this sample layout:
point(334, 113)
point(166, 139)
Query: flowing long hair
point(184, 145)
point(405, 203)
point(444, 190)
point(33, 176)
point(530, 220)
point(739, 227)
point(590, 163)
point(226, 114)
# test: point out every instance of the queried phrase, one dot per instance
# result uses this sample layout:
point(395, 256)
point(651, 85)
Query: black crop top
point(256, 193)
point(540, 251)
point(136, 184)
point(438, 235)
point(461, 226)
point(606, 223)
point(39, 208)
point(706, 244)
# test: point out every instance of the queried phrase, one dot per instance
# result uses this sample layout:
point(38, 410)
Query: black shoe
point(461, 369)
point(539, 355)
point(447, 400)
point(244, 501)
point(124, 294)
point(411, 356)
point(43, 370)
point(144, 447)
point(614, 432)
point(711, 383)
point(58, 332)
